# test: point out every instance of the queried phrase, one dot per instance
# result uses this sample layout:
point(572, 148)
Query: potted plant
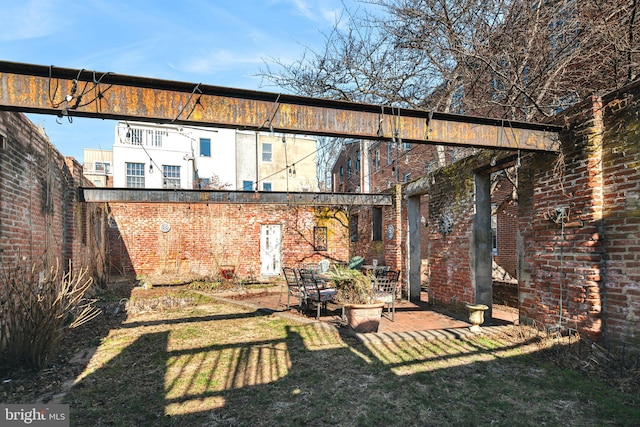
point(357, 294)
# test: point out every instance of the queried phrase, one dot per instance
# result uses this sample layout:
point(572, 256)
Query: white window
point(134, 136)
point(171, 175)
point(154, 138)
point(135, 175)
point(267, 153)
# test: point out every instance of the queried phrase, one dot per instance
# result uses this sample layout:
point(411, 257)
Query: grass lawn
point(215, 364)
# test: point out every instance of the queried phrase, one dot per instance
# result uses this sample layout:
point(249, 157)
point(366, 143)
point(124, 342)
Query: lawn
point(217, 364)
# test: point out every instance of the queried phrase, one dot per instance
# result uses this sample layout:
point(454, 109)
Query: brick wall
point(583, 272)
point(451, 208)
point(560, 280)
point(204, 236)
point(41, 219)
point(620, 235)
point(507, 226)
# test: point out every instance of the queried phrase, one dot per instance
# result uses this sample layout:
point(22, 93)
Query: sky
point(214, 42)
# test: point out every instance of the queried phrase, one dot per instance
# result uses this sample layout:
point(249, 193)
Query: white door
point(270, 250)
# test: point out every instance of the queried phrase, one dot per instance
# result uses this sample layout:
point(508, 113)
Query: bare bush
point(37, 305)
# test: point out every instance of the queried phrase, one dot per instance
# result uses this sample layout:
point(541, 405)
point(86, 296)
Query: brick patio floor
point(410, 317)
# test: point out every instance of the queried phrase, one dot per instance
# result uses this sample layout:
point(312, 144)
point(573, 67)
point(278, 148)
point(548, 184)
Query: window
point(203, 183)
point(135, 175)
point(406, 146)
point(267, 153)
point(389, 153)
point(134, 136)
point(341, 174)
point(353, 228)
point(205, 147)
point(247, 185)
point(406, 177)
point(266, 186)
point(376, 160)
point(104, 167)
point(319, 238)
point(171, 176)
point(349, 171)
point(376, 217)
point(358, 161)
point(154, 137)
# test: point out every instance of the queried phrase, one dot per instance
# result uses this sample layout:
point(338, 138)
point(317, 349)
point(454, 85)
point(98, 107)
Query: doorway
point(270, 249)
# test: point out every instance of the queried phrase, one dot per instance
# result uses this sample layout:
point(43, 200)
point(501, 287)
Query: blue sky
point(217, 42)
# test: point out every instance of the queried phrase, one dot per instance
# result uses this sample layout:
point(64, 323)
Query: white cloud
point(30, 19)
point(218, 60)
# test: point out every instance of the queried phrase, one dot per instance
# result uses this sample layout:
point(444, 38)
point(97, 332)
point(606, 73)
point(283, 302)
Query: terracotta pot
point(227, 271)
point(364, 318)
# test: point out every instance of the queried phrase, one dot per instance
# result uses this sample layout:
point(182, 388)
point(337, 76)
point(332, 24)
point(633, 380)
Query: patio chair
point(293, 286)
point(314, 291)
point(387, 282)
point(310, 266)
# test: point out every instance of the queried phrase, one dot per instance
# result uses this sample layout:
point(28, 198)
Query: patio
point(410, 317)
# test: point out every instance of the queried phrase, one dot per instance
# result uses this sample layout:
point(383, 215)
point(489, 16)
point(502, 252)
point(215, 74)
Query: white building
point(172, 156)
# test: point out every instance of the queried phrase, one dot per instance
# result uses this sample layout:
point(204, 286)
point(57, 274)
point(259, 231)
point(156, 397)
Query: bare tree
point(518, 59)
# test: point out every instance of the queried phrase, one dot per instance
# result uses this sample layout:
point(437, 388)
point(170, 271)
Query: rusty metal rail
point(83, 93)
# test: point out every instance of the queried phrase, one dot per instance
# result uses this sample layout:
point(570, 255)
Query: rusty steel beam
point(140, 195)
point(82, 93)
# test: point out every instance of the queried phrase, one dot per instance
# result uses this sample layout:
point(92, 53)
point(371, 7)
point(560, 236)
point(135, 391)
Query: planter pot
point(364, 318)
point(227, 271)
point(476, 315)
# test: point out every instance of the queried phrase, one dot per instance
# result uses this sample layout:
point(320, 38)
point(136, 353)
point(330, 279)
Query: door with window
point(270, 249)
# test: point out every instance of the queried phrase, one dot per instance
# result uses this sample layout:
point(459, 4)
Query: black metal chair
point(314, 291)
point(386, 283)
point(293, 286)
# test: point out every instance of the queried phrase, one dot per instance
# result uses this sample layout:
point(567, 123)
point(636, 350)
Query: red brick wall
point(620, 234)
point(560, 284)
point(452, 198)
point(41, 220)
point(204, 236)
point(507, 226)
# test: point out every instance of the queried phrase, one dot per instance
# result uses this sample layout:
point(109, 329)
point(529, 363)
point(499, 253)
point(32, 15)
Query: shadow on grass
point(255, 370)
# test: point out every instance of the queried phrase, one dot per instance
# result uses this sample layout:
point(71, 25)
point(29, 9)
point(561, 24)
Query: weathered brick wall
point(204, 236)
point(41, 219)
point(451, 203)
point(620, 234)
point(560, 280)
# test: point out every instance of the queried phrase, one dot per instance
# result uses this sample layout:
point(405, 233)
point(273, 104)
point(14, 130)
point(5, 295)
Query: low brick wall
point(202, 237)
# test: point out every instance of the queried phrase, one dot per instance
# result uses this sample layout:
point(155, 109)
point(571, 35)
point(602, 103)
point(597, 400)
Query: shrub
point(353, 287)
point(36, 306)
